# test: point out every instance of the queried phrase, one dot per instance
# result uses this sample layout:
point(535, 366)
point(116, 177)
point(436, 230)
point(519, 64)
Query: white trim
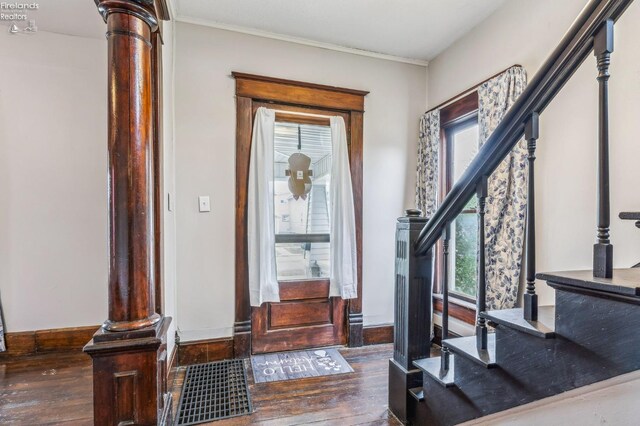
point(297, 40)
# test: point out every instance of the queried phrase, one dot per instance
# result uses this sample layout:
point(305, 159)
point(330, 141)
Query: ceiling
point(412, 29)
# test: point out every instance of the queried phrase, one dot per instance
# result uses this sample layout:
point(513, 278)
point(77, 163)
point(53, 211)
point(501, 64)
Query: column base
point(242, 339)
point(603, 260)
point(130, 376)
point(401, 404)
point(355, 330)
point(121, 326)
point(530, 307)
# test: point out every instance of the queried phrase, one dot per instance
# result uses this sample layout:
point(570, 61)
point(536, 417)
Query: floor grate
point(214, 391)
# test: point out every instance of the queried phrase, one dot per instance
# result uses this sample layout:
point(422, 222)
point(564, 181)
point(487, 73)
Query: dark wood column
point(129, 351)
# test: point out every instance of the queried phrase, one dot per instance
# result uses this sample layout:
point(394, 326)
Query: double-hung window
point(459, 134)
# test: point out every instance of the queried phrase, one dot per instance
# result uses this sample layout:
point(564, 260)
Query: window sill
point(458, 309)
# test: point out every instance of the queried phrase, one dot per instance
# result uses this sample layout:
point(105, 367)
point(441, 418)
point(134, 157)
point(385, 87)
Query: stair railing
point(591, 32)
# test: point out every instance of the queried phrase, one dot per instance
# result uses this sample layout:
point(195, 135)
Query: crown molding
point(297, 40)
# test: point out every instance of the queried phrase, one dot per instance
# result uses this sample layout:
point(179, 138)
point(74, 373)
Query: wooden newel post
point(413, 304)
point(603, 249)
point(129, 351)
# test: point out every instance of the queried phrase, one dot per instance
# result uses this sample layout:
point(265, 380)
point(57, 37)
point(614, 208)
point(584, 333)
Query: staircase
point(592, 334)
point(526, 354)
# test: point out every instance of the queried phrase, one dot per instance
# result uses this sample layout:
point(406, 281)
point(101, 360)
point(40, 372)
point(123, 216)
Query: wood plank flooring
point(57, 389)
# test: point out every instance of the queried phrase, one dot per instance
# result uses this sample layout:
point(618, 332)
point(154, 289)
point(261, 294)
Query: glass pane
point(465, 148)
point(300, 214)
point(302, 261)
point(464, 263)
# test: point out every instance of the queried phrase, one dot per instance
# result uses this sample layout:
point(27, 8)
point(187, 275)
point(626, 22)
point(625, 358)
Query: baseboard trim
point(53, 340)
point(377, 334)
point(201, 351)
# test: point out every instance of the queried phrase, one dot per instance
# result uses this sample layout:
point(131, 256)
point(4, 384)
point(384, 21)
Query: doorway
point(306, 316)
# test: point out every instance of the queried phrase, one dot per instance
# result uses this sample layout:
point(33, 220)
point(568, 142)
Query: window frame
point(453, 116)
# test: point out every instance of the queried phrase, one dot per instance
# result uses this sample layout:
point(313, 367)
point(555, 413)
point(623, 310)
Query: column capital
point(150, 11)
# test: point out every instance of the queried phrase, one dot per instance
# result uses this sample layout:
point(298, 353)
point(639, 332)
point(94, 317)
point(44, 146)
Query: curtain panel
point(427, 171)
point(507, 197)
point(263, 281)
point(343, 252)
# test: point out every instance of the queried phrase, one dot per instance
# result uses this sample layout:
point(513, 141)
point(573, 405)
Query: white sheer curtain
point(343, 257)
point(263, 281)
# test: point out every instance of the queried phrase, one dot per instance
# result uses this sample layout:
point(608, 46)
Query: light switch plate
point(204, 203)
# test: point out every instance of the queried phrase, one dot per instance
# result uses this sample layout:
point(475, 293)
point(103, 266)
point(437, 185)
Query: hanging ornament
point(299, 172)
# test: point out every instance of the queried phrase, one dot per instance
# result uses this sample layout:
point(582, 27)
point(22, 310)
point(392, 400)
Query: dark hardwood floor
point(57, 389)
point(46, 390)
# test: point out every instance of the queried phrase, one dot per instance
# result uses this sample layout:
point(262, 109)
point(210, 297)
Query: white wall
point(525, 32)
point(205, 161)
point(53, 168)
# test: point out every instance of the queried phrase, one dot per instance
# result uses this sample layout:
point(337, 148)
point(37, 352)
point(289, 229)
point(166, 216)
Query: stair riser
point(606, 327)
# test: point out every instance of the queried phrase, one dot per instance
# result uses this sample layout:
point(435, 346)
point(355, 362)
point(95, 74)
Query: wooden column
point(603, 249)
point(530, 302)
point(129, 351)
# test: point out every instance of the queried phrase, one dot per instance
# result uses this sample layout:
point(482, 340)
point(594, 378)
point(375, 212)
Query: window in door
point(462, 144)
point(302, 214)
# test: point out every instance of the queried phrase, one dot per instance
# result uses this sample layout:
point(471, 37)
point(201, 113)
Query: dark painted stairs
point(592, 334)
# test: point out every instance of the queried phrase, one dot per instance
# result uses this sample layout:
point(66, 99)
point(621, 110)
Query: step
point(417, 393)
point(431, 367)
point(625, 282)
point(466, 347)
point(544, 327)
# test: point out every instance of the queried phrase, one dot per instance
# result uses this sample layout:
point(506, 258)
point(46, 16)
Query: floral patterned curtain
point(427, 175)
point(507, 198)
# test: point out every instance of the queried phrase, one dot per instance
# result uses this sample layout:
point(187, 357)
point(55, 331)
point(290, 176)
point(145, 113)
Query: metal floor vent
point(214, 391)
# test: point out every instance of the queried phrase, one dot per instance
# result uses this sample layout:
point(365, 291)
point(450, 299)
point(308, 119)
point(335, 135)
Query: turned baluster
point(446, 236)
point(531, 133)
point(481, 306)
point(603, 250)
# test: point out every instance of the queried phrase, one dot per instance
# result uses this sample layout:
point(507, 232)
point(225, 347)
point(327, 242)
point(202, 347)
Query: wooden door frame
point(293, 95)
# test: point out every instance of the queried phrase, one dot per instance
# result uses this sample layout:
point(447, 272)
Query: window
point(302, 223)
point(459, 135)
point(462, 147)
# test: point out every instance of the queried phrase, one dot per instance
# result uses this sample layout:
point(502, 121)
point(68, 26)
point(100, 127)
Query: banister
point(572, 51)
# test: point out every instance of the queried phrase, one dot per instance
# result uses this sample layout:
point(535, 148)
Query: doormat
point(214, 391)
point(298, 365)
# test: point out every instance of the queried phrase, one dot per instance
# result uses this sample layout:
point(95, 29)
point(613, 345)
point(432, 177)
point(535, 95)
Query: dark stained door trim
point(294, 96)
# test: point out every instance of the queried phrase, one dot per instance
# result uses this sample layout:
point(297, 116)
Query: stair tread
point(625, 282)
point(466, 347)
point(417, 393)
point(431, 366)
point(544, 327)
